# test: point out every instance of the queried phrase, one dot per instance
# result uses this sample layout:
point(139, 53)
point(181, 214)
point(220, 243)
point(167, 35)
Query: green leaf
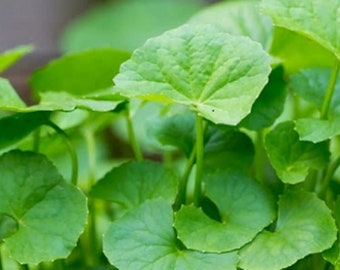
point(19, 125)
point(49, 212)
point(269, 105)
point(245, 209)
point(297, 52)
point(304, 226)
point(227, 149)
point(11, 56)
point(238, 18)
point(317, 20)
point(145, 239)
point(216, 74)
point(131, 184)
point(311, 84)
point(112, 25)
point(291, 158)
point(176, 130)
point(79, 74)
point(317, 130)
point(9, 99)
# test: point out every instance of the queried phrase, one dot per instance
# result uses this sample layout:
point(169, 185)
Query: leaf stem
point(182, 188)
point(36, 140)
point(330, 90)
point(199, 159)
point(25, 267)
point(71, 150)
point(329, 174)
point(1, 268)
point(132, 137)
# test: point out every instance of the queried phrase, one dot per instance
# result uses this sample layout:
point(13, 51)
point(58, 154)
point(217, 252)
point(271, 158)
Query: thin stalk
point(182, 188)
point(132, 137)
point(329, 174)
point(199, 159)
point(260, 159)
point(1, 268)
point(71, 150)
point(330, 90)
point(36, 140)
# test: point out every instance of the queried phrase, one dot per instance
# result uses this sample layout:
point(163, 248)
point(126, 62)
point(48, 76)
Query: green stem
point(260, 159)
point(25, 267)
point(36, 140)
point(182, 188)
point(1, 268)
point(132, 137)
point(329, 174)
point(199, 159)
point(71, 150)
point(330, 90)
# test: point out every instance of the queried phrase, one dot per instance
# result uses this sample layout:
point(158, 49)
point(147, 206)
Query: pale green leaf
point(11, 56)
point(145, 239)
point(244, 206)
point(131, 184)
point(200, 66)
point(304, 226)
point(291, 158)
point(50, 213)
point(317, 20)
point(9, 99)
point(238, 18)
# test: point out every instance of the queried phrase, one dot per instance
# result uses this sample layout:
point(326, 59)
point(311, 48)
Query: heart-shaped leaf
point(291, 158)
point(35, 196)
point(238, 18)
point(318, 20)
point(11, 56)
point(216, 74)
point(145, 239)
point(131, 184)
point(245, 209)
point(304, 226)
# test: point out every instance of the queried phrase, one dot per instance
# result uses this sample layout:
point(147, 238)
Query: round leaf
point(216, 74)
point(50, 213)
point(131, 184)
point(318, 20)
point(304, 226)
point(291, 158)
point(245, 209)
point(145, 239)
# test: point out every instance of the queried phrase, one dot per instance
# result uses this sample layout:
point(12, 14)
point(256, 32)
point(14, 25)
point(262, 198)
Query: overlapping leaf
point(304, 226)
point(145, 239)
point(245, 209)
point(291, 158)
point(318, 20)
point(37, 202)
point(216, 74)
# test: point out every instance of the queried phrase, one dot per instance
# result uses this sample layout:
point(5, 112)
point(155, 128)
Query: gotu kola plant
point(241, 187)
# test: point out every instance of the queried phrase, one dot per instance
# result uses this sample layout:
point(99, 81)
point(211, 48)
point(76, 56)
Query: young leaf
point(79, 74)
point(227, 149)
point(19, 125)
point(11, 56)
point(145, 239)
point(245, 209)
point(35, 195)
point(133, 183)
point(238, 18)
point(311, 84)
point(200, 66)
point(318, 20)
point(9, 99)
point(269, 105)
point(304, 226)
point(291, 158)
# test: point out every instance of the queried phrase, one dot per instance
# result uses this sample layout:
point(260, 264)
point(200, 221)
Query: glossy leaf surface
point(304, 226)
point(145, 239)
point(35, 195)
point(212, 72)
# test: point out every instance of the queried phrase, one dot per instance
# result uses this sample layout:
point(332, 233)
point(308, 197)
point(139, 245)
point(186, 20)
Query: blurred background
point(57, 27)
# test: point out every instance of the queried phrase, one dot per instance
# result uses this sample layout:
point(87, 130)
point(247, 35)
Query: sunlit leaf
point(245, 209)
point(291, 158)
point(200, 66)
point(145, 239)
point(318, 20)
point(35, 195)
point(9, 99)
point(304, 226)
point(11, 56)
point(238, 18)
